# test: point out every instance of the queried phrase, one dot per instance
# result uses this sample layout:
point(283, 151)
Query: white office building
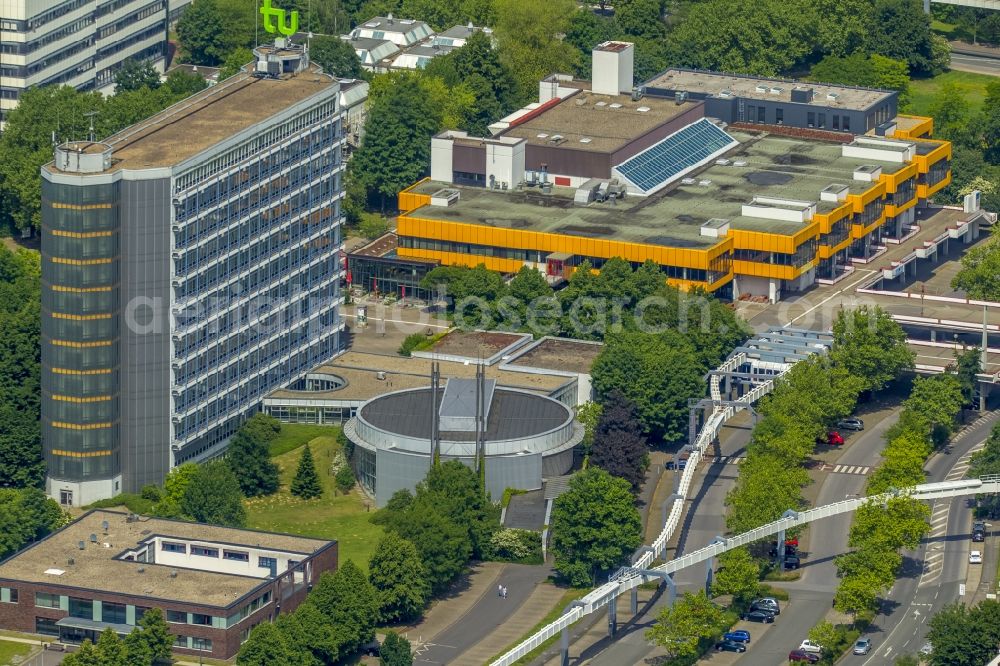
point(79, 43)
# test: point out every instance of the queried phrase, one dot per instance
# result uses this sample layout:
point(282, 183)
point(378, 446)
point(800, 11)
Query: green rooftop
point(761, 166)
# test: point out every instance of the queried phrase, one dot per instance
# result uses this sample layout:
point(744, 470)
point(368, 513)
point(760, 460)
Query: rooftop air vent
point(601, 104)
point(615, 105)
point(688, 181)
point(81, 545)
point(722, 162)
point(775, 90)
point(542, 135)
point(105, 526)
point(726, 94)
point(643, 109)
point(586, 139)
point(141, 570)
point(71, 561)
point(705, 183)
point(832, 96)
point(173, 573)
point(761, 88)
point(739, 163)
point(93, 538)
point(380, 375)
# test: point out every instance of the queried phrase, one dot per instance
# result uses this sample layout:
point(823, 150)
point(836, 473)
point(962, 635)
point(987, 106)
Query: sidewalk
point(537, 606)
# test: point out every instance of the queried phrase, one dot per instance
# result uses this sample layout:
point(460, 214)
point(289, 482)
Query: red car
point(802, 655)
point(834, 438)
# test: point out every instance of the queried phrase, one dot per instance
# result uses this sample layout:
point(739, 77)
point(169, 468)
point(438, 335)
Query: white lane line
point(864, 275)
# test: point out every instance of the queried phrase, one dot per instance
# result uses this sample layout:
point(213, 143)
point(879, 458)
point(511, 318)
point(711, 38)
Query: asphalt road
point(811, 595)
point(939, 566)
point(976, 64)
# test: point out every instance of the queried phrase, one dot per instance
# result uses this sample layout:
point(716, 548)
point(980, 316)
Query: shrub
point(151, 492)
point(344, 479)
point(410, 343)
point(514, 545)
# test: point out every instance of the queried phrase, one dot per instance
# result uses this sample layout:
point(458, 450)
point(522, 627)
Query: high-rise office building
point(79, 43)
point(190, 265)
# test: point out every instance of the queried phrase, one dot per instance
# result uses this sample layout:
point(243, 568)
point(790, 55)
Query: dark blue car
point(740, 635)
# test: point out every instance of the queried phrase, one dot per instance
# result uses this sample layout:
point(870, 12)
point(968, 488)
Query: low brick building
point(107, 568)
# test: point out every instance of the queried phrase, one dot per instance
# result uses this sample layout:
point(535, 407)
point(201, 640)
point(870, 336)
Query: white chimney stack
point(612, 68)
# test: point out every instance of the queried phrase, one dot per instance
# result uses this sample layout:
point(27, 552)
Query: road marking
point(864, 275)
point(728, 460)
point(851, 469)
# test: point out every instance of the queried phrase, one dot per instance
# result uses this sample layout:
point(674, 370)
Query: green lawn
point(294, 435)
point(333, 516)
point(9, 650)
point(973, 87)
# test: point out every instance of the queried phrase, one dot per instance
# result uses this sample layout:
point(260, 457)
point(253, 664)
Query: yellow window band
point(76, 317)
point(80, 454)
point(81, 290)
point(67, 371)
point(81, 234)
point(66, 206)
point(80, 262)
point(70, 398)
point(81, 426)
point(83, 345)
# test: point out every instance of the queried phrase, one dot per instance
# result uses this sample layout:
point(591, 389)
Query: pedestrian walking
point(499, 589)
point(505, 592)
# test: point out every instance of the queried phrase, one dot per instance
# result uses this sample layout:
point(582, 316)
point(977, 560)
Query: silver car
point(863, 646)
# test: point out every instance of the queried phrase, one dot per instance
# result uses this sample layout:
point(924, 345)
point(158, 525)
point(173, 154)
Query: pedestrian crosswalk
point(728, 460)
point(851, 469)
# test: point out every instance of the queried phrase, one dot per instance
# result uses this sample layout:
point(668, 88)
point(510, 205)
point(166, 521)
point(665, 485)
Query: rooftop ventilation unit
point(637, 93)
point(726, 94)
point(141, 570)
point(688, 181)
point(722, 162)
point(644, 109)
point(739, 163)
point(705, 183)
point(761, 88)
point(775, 90)
point(615, 105)
point(105, 526)
point(832, 96)
point(586, 139)
point(81, 545)
point(601, 104)
point(93, 538)
point(445, 197)
point(717, 227)
point(173, 573)
point(542, 135)
point(680, 97)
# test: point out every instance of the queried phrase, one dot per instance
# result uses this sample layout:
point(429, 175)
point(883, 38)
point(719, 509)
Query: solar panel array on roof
point(665, 161)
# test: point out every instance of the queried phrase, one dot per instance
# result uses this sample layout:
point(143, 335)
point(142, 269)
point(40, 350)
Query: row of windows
point(314, 415)
point(249, 609)
point(905, 191)
point(133, 18)
point(82, 329)
point(295, 126)
point(239, 400)
point(81, 385)
point(60, 55)
point(193, 643)
point(153, 52)
point(117, 46)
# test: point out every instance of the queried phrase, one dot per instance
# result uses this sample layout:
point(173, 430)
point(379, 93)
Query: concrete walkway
point(445, 612)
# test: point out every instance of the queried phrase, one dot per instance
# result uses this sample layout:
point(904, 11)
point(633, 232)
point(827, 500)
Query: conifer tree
point(306, 482)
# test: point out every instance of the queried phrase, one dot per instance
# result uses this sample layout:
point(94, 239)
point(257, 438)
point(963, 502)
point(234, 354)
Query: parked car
point(759, 615)
point(975, 557)
point(789, 550)
point(791, 541)
point(730, 646)
point(679, 461)
point(863, 646)
point(851, 423)
point(808, 646)
point(834, 438)
point(926, 650)
point(802, 655)
point(372, 648)
point(769, 604)
point(792, 562)
point(979, 531)
point(740, 636)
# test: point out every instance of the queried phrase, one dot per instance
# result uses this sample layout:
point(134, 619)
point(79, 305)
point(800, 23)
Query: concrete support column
point(671, 590)
point(613, 617)
point(781, 550)
point(564, 647)
point(709, 571)
point(634, 601)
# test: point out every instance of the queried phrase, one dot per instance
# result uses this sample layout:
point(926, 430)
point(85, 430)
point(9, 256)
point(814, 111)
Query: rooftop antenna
point(90, 115)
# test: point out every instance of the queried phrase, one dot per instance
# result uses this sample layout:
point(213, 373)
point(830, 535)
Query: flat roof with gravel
point(559, 354)
point(96, 567)
point(763, 165)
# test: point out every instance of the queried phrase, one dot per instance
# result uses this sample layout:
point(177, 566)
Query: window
point(811, 119)
point(847, 123)
point(236, 555)
point(779, 116)
point(751, 112)
point(761, 118)
point(836, 122)
point(113, 613)
point(822, 120)
point(46, 600)
point(204, 552)
point(46, 626)
point(177, 617)
point(82, 608)
point(11, 595)
point(180, 641)
point(202, 619)
point(268, 563)
point(201, 644)
point(172, 547)
point(66, 497)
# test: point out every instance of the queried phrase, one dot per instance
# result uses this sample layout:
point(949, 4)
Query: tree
point(827, 635)
point(595, 526)
point(396, 148)
point(443, 544)
point(309, 632)
point(136, 74)
point(87, 655)
point(213, 496)
point(903, 463)
point(619, 446)
point(181, 83)
point(958, 636)
point(857, 595)
point(137, 650)
point(458, 492)
point(934, 405)
point(657, 373)
point(979, 276)
point(859, 69)
point(681, 629)
point(306, 482)
point(235, 61)
point(336, 56)
point(738, 575)
point(344, 479)
point(968, 365)
point(874, 563)
point(112, 649)
point(399, 579)
point(950, 110)
point(249, 457)
point(201, 32)
point(870, 345)
point(174, 487)
point(372, 225)
point(395, 651)
point(528, 285)
point(528, 46)
point(987, 461)
point(900, 30)
point(767, 487)
point(266, 646)
point(349, 603)
point(154, 634)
